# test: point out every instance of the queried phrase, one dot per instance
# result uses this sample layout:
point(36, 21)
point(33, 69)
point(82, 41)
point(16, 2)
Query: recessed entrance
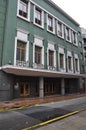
point(24, 89)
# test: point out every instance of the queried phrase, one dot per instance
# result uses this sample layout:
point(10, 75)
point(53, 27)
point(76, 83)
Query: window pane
point(61, 61)
point(51, 57)
point(21, 51)
point(38, 55)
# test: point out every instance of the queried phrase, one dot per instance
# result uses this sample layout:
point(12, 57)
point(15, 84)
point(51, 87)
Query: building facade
point(83, 31)
point(41, 50)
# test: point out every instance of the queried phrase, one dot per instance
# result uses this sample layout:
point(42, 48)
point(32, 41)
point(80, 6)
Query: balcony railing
point(51, 68)
point(38, 66)
point(22, 63)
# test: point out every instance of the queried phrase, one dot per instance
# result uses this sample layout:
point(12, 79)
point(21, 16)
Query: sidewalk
point(16, 103)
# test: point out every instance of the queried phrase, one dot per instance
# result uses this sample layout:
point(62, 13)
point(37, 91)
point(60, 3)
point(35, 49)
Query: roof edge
point(62, 11)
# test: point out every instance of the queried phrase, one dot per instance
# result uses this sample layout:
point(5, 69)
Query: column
point(62, 87)
point(41, 87)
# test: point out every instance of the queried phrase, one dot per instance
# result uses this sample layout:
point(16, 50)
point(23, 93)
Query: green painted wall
point(10, 31)
point(13, 22)
point(2, 25)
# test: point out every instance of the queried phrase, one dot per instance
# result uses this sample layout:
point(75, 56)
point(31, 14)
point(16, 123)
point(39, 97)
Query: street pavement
point(41, 114)
point(74, 122)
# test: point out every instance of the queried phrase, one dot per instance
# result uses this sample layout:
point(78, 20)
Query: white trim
point(61, 51)
point(76, 57)
point(38, 42)
point(40, 72)
point(42, 18)
point(28, 17)
point(22, 36)
point(62, 31)
point(52, 15)
point(52, 48)
point(69, 53)
point(15, 51)
point(53, 26)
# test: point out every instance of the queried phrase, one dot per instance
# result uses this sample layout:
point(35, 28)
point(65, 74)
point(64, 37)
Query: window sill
point(26, 19)
point(42, 27)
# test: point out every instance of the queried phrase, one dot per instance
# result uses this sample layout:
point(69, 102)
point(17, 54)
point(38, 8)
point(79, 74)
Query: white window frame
point(62, 29)
point(23, 37)
point(69, 53)
point(61, 51)
point(42, 17)
point(69, 34)
point(53, 24)
point(51, 47)
point(28, 17)
point(38, 41)
point(76, 57)
point(75, 43)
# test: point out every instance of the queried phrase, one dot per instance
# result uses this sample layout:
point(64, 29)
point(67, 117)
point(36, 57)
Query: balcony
point(22, 63)
point(38, 66)
point(52, 68)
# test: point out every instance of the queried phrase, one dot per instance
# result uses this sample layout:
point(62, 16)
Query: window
point(24, 9)
point(80, 44)
point(50, 23)
point(61, 57)
point(68, 34)
point(51, 58)
point(59, 29)
point(38, 16)
point(69, 63)
point(21, 51)
point(74, 37)
point(38, 54)
point(76, 64)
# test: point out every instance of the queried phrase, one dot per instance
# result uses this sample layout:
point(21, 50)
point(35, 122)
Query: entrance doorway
point(24, 89)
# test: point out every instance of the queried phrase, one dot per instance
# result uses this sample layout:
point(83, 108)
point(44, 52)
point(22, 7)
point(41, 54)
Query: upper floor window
point(68, 34)
point(51, 58)
point(38, 54)
point(60, 29)
point(23, 9)
point(50, 23)
point(21, 51)
point(74, 37)
point(38, 16)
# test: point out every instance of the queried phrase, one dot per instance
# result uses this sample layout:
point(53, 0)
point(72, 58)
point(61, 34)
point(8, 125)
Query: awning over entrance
point(23, 71)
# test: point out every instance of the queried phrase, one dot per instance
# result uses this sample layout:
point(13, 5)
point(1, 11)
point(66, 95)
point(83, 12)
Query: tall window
point(51, 58)
point(69, 63)
point(68, 34)
point(74, 37)
point(23, 8)
point(38, 16)
point(50, 23)
point(38, 54)
point(61, 57)
point(59, 29)
point(76, 64)
point(21, 51)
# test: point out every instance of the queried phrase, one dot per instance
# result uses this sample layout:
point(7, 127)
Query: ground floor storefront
point(16, 86)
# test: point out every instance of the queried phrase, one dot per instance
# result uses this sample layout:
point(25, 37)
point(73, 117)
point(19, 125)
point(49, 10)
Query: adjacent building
point(41, 50)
